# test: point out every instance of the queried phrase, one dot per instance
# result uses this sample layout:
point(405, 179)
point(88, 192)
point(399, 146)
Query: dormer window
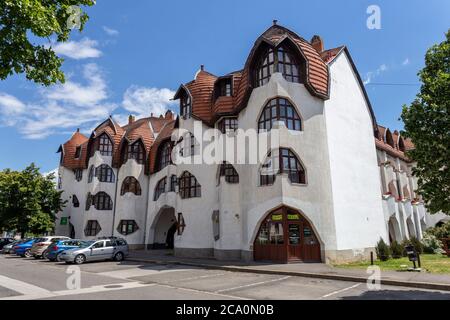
point(223, 88)
point(78, 152)
point(105, 145)
point(227, 124)
point(185, 106)
point(135, 151)
point(278, 59)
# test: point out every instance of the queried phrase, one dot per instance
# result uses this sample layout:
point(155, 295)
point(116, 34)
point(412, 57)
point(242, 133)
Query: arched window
point(229, 172)
point(279, 109)
point(92, 228)
point(401, 144)
point(135, 151)
point(78, 174)
point(282, 161)
point(130, 184)
point(160, 188)
point(277, 60)
point(173, 183)
point(389, 139)
point(75, 201)
point(105, 145)
point(102, 201)
point(164, 155)
point(104, 173)
point(91, 174)
point(185, 105)
point(189, 186)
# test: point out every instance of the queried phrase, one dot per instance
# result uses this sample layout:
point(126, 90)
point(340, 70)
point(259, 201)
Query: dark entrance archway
point(286, 236)
point(164, 229)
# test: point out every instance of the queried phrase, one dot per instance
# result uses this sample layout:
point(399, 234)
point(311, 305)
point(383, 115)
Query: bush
point(382, 250)
point(431, 244)
point(440, 232)
point(396, 250)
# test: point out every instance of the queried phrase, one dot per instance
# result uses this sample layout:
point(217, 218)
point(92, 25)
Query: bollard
point(371, 258)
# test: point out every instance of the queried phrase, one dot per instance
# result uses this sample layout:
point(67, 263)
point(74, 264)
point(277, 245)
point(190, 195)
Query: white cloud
point(405, 62)
point(63, 108)
point(10, 105)
point(110, 31)
point(372, 74)
point(144, 101)
point(83, 49)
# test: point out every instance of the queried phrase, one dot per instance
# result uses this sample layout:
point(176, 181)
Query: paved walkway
point(316, 270)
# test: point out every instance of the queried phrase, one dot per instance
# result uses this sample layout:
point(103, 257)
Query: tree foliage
point(28, 201)
point(427, 123)
point(21, 22)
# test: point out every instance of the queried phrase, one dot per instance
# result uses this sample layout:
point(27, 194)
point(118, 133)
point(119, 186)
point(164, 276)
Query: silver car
point(98, 250)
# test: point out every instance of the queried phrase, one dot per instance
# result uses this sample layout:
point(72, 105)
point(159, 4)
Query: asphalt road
point(22, 278)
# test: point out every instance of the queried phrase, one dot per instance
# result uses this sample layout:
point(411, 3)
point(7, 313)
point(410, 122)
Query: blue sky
point(133, 54)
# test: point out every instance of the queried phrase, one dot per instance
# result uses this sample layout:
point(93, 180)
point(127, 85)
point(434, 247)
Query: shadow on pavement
point(400, 295)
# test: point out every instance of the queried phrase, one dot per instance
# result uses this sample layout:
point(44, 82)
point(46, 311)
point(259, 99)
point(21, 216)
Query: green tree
point(28, 201)
point(22, 21)
point(427, 123)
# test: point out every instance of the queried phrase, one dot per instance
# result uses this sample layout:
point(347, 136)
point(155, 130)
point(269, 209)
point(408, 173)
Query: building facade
point(334, 183)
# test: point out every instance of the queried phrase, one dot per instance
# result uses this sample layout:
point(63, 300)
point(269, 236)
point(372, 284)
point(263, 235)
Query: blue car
point(23, 249)
point(56, 248)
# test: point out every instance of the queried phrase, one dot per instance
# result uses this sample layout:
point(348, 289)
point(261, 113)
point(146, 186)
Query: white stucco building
point(334, 184)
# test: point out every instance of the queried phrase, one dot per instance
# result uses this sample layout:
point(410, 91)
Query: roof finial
point(275, 21)
point(202, 67)
point(78, 129)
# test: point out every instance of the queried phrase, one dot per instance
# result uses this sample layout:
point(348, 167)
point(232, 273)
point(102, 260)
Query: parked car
point(40, 246)
point(9, 247)
point(56, 248)
point(5, 241)
point(97, 250)
point(23, 248)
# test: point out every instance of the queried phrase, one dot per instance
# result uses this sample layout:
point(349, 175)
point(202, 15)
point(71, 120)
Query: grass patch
point(434, 263)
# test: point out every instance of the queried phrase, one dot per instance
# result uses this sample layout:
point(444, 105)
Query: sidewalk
point(313, 270)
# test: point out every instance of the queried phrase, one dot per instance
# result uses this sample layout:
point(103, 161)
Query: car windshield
point(41, 240)
point(85, 244)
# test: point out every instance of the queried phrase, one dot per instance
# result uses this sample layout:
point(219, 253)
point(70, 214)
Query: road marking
point(198, 277)
point(203, 291)
point(21, 287)
point(340, 291)
point(135, 272)
point(252, 284)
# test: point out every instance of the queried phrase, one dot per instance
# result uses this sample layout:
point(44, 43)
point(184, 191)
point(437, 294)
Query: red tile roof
point(68, 151)
point(381, 143)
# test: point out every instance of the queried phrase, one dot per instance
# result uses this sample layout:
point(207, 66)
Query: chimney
point(130, 119)
point(168, 115)
point(317, 43)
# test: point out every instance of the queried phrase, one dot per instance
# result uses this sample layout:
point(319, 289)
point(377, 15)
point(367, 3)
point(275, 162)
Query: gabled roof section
point(68, 150)
point(163, 136)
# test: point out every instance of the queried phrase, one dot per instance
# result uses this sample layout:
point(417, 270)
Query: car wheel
point(52, 260)
point(80, 259)
point(36, 257)
point(27, 254)
point(44, 254)
point(118, 256)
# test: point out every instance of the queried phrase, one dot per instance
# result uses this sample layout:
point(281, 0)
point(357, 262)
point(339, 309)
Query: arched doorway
point(286, 236)
point(164, 229)
point(394, 230)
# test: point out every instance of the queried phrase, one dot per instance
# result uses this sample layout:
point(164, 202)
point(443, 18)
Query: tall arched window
point(135, 151)
point(279, 109)
point(160, 188)
point(75, 201)
point(102, 201)
point(91, 174)
point(278, 59)
point(105, 145)
point(282, 161)
point(185, 105)
point(189, 186)
point(173, 183)
point(164, 155)
point(130, 184)
point(229, 172)
point(104, 173)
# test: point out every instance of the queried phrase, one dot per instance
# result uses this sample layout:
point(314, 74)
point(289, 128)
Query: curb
point(398, 283)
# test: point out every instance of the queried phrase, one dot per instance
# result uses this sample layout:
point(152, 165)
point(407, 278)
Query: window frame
point(188, 186)
point(78, 174)
point(136, 151)
point(297, 176)
point(130, 185)
point(160, 188)
point(105, 145)
point(228, 124)
point(105, 173)
point(77, 152)
point(273, 111)
point(127, 224)
point(164, 155)
point(102, 201)
point(92, 228)
point(186, 105)
point(75, 201)
point(228, 171)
